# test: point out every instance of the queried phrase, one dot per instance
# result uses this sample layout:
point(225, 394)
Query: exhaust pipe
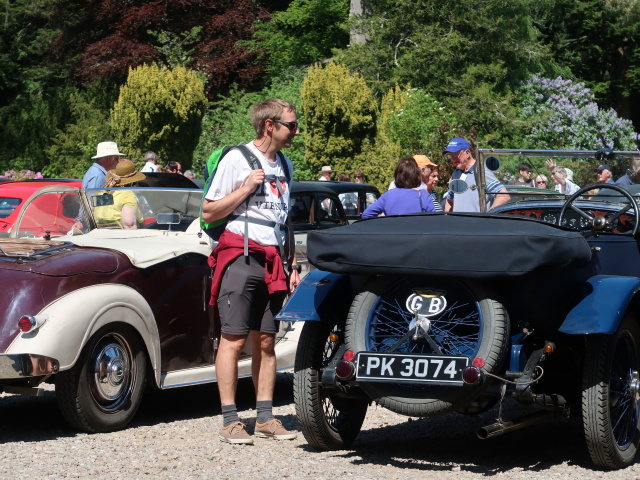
point(499, 428)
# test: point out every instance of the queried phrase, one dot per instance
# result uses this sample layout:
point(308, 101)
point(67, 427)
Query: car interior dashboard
point(572, 219)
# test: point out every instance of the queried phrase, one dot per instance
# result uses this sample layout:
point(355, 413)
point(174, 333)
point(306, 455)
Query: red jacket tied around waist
point(231, 246)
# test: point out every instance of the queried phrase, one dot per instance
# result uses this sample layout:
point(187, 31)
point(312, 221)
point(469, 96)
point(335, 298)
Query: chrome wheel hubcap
point(112, 373)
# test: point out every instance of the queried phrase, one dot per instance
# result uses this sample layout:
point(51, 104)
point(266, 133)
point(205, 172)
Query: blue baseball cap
point(456, 145)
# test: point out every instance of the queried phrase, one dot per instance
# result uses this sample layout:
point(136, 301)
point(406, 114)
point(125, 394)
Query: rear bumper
point(22, 365)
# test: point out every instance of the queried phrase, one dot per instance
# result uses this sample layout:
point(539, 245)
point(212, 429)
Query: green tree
point(432, 43)
point(411, 122)
point(73, 146)
point(468, 54)
point(161, 110)
point(304, 33)
point(31, 96)
point(227, 121)
point(415, 120)
point(340, 114)
point(27, 126)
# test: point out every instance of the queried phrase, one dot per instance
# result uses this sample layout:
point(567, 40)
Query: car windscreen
point(554, 175)
point(132, 208)
point(300, 205)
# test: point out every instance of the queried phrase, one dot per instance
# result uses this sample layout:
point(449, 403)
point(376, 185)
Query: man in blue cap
point(603, 174)
point(459, 152)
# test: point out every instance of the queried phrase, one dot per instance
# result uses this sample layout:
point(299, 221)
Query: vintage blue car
point(535, 301)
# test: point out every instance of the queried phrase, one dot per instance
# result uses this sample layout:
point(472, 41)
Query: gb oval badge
point(427, 301)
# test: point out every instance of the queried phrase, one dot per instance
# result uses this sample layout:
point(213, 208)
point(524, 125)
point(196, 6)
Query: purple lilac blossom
point(566, 116)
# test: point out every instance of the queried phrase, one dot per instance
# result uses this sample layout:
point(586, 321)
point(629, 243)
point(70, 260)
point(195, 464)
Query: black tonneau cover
point(468, 245)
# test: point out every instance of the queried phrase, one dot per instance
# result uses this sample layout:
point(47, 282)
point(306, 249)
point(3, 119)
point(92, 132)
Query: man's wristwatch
point(297, 268)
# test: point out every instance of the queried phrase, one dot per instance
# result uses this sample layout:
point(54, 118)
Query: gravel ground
point(174, 436)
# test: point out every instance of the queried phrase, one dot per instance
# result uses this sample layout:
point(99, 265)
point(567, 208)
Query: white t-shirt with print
point(265, 204)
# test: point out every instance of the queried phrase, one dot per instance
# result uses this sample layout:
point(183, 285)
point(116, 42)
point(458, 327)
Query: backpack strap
point(255, 164)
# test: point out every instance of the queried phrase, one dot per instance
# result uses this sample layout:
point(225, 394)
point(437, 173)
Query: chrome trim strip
point(21, 365)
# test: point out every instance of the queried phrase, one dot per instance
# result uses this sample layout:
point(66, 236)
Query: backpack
point(215, 228)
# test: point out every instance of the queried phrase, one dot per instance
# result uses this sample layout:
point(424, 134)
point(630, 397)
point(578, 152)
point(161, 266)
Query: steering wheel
point(603, 223)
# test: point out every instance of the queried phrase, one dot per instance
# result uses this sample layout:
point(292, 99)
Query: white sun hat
point(106, 149)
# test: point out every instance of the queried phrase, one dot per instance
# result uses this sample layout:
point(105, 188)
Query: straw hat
point(107, 149)
point(125, 173)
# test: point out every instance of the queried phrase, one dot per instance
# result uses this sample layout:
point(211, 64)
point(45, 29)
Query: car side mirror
point(492, 163)
point(102, 200)
point(458, 186)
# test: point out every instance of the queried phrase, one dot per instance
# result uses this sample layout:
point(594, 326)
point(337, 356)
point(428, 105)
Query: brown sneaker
point(235, 433)
point(273, 428)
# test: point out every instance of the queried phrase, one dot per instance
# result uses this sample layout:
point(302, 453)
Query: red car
point(49, 216)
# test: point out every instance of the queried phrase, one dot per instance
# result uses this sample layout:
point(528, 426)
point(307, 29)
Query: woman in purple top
point(406, 197)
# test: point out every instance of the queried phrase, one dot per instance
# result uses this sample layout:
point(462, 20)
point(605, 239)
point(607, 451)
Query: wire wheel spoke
point(456, 330)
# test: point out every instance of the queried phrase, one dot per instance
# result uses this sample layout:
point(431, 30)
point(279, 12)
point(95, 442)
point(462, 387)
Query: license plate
point(410, 368)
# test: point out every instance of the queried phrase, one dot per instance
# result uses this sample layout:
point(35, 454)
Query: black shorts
point(244, 302)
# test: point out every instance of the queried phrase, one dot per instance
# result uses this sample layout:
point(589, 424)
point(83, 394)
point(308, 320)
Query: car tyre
point(474, 324)
point(328, 422)
point(610, 396)
point(103, 390)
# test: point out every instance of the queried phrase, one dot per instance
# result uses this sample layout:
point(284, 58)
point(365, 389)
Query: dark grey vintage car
point(313, 207)
point(429, 314)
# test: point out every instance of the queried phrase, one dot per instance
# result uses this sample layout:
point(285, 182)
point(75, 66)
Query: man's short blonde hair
point(272, 108)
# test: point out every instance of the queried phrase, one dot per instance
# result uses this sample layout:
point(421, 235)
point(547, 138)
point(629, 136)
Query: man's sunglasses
point(293, 126)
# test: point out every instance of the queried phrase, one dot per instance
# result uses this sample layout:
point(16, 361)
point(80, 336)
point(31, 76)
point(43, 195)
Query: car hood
point(53, 258)
point(34, 272)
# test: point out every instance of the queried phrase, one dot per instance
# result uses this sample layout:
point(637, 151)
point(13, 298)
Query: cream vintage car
point(102, 312)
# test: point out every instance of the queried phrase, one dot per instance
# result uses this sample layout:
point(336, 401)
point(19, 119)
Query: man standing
point(326, 173)
point(459, 152)
point(106, 158)
point(249, 284)
point(603, 174)
point(524, 180)
point(559, 177)
point(152, 162)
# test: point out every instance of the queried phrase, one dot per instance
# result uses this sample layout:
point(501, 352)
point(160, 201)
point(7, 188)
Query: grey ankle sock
point(263, 411)
point(229, 414)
